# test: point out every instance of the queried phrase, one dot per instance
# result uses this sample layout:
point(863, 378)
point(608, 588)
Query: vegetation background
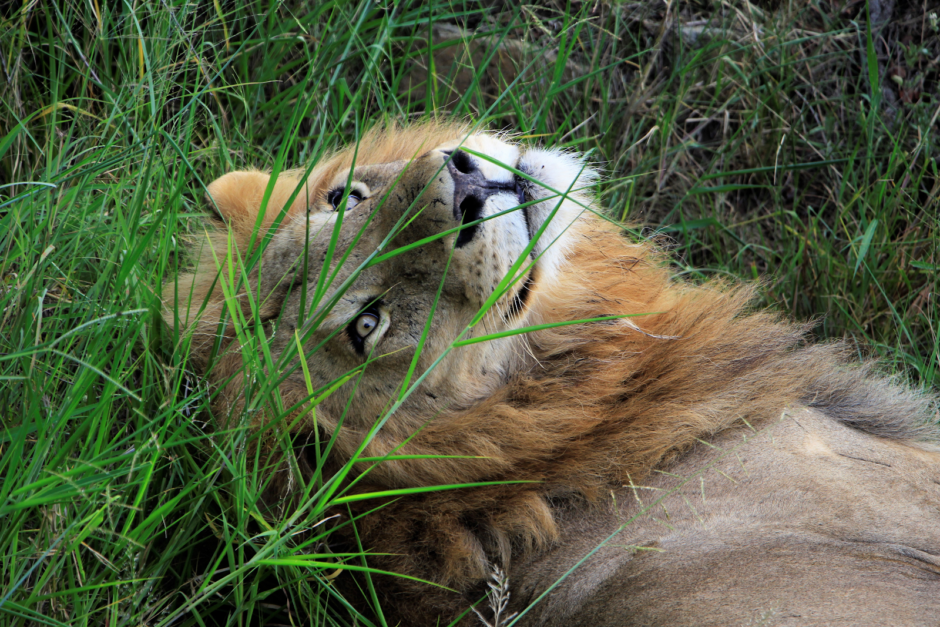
point(794, 140)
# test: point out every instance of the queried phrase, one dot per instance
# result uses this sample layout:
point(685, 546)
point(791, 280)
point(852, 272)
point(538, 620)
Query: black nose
point(471, 189)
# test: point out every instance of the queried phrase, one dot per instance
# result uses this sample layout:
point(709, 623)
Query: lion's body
point(804, 522)
point(581, 411)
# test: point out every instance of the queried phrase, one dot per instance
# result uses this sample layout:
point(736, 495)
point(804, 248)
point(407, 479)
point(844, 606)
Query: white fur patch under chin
point(572, 181)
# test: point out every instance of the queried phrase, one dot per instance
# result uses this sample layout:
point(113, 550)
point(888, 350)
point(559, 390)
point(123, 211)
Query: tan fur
point(576, 411)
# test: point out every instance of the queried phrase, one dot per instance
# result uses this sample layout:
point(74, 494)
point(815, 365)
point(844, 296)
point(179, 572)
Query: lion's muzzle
point(471, 191)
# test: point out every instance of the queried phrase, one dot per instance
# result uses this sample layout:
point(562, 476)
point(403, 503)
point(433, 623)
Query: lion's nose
point(471, 190)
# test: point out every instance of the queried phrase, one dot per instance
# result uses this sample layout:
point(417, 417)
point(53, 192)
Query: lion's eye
point(365, 324)
point(335, 197)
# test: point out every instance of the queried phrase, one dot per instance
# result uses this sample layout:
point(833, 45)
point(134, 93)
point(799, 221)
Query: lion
point(650, 451)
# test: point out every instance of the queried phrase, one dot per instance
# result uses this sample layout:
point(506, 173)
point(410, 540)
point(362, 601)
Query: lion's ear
point(236, 197)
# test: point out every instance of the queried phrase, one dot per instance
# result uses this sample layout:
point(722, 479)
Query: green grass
point(752, 143)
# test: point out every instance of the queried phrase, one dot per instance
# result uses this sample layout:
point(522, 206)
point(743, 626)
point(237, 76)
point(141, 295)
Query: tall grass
point(776, 144)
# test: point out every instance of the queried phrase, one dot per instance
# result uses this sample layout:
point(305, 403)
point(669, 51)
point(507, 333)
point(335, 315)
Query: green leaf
point(541, 327)
point(866, 243)
point(691, 225)
point(352, 498)
point(724, 188)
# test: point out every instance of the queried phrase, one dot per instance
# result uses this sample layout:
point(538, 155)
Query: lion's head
point(379, 260)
